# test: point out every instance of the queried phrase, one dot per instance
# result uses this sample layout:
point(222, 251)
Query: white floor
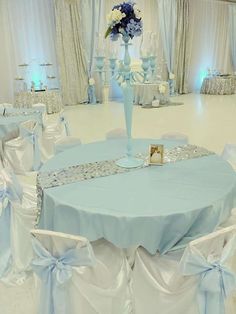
point(209, 121)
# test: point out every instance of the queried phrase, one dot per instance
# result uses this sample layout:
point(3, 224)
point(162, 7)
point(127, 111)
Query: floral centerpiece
point(125, 19)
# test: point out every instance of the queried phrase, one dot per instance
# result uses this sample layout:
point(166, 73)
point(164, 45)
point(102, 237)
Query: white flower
point(115, 16)
point(171, 76)
point(137, 12)
point(162, 88)
point(91, 81)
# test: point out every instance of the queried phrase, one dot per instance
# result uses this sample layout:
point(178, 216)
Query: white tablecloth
point(218, 85)
point(145, 93)
point(52, 99)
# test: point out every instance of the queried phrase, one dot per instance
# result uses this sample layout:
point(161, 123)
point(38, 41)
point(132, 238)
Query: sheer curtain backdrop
point(168, 18)
point(65, 33)
point(209, 40)
point(27, 32)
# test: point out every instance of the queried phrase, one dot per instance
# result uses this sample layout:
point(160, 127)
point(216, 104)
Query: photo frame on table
point(156, 154)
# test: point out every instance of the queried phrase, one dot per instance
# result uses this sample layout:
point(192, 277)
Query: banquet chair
point(18, 207)
point(175, 136)
point(116, 134)
point(75, 277)
point(53, 132)
point(43, 109)
point(197, 280)
point(66, 143)
point(229, 154)
point(22, 154)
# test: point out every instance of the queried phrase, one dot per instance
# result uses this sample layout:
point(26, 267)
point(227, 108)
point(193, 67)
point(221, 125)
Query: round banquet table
point(157, 207)
point(145, 93)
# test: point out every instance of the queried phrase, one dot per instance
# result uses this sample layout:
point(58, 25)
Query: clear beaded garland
point(105, 168)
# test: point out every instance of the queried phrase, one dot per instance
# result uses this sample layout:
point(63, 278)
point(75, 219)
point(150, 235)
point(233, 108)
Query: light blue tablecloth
point(156, 207)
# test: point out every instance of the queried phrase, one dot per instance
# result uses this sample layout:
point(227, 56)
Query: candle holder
point(145, 67)
point(153, 65)
point(112, 65)
point(129, 161)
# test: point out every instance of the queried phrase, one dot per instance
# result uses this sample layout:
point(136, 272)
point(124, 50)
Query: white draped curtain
point(232, 32)
point(182, 46)
point(209, 40)
point(27, 33)
point(71, 52)
point(168, 19)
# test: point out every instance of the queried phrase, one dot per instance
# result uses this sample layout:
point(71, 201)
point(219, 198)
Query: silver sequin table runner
point(105, 168)
point(219, 85)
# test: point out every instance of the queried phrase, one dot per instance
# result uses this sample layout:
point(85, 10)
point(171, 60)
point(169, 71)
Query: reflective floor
point(209, 121)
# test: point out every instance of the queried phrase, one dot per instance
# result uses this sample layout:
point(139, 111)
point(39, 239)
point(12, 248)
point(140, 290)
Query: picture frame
point(156, 154)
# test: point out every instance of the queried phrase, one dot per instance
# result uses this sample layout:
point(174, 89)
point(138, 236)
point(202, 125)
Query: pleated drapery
point(232, 31)
point(71, 52)
point(168, 17)
point(182, 46)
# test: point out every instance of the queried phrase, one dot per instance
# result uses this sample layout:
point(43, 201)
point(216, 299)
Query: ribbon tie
point(32, 136)
point(217, 282)
point(37, 160)
point(55, 272)
point(66, 125)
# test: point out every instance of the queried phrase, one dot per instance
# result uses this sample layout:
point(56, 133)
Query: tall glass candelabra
point(130, 161)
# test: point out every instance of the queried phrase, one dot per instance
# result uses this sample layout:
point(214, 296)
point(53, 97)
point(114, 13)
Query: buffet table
point(219, 85)
point(51, 98)
point(156, 207)
point(145, 93)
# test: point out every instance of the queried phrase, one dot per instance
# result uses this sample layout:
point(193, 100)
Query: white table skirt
point(52, 99)
point(219, 85)
point(145, 93)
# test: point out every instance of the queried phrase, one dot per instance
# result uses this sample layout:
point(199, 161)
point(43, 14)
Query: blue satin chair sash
point(32, 136)
point(216, 281)
point(10, 191)
point(66, 125)
point(55, 272)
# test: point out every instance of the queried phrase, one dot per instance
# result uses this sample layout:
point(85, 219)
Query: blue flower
point(134, 28)
point(129, 25)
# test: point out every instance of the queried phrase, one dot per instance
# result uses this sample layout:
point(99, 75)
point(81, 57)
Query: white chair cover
point(174, 282)
point(43, 109)
point(23, 153)
point(175, 136)
point(53, 132)
point(229, 154)
point(65, 143)
point(18, 299)
point(77, 278)
point(19, 210)
point(116, 133)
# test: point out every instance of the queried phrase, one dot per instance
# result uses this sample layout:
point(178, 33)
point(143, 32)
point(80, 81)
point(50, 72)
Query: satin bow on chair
point(55, 272)
point(32, 136)
point(64, 121)
point(217, 282)
point(37, 159)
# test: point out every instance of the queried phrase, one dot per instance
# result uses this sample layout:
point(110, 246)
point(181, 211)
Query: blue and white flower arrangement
point(125, 19)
